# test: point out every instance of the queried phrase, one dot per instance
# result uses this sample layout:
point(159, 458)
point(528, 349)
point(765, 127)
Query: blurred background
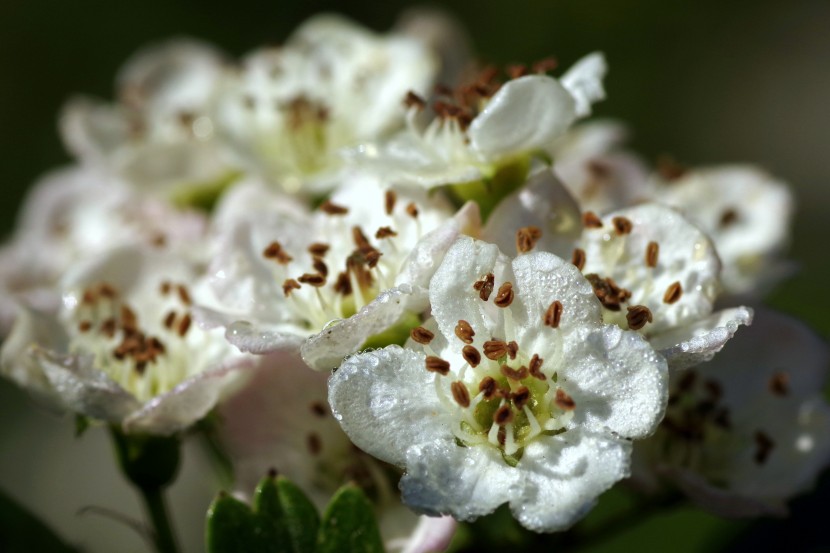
point(704, 81)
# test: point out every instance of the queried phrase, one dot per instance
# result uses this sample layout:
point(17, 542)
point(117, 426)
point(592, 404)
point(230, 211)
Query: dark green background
point(705, 81)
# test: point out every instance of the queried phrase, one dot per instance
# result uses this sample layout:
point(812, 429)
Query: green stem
point(157, 511)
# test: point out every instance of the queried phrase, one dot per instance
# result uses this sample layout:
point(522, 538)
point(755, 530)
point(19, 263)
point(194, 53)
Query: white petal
point(564, 475)
point(526, 114)
point(584, 82)
point(432, 534)
point(260, 339)
point(542, 202)
point(91, 129)
point(697, 342)
point(384, 401)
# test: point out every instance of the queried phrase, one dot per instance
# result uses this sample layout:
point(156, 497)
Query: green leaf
point(22, 532)
point(301, 518)
point(349, 524)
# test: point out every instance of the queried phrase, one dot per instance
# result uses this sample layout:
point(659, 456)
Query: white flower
point(76, 213)
point(346, 272)
point(657, 273)
point(747, 431)
point(485, 131)
point(281, 420)
point(333, 85)
point(515, 392)
point(158, 136)
point(746, 212)
point(122, 348)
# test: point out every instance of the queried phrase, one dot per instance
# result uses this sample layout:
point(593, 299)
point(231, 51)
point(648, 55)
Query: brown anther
point(318, 408)
point(471, 356)
point(437, 365)
point(501, 435)
point(545, 65)
point(277, 253)
point(553, 314)
point(779, 383)
point(599, 169)
point(763, 447)
point(412, 210)
point(108, 328)
point(107, 290)
point(313, 279)
point(526, 238)
point(669, 168)
point(314, 443)
point(495, 349)
point(504, 297)
point(129, 321)
point(421, 335)
point(385, 232)
point(165, 287)
point(343, 285)
point(728, 217)
point(156, 345)
point(515, 374)
point(608, 292)
point(578, 258)
point(372, 257)
point(464, 331)
point(516, 70)
point(140, 366)
point(460, 393)
point(320, 266)
point(520, 397)
point(331, 208)
point(488, 387)
point(184, 325)
point(535, 367)
point(512, 349)
point(290, 285)
point(485, 286)
point(652, 254)
point(591, 220)
point(184, 295)
point(169, 319)
point(360, 239)
point(84, 326)
point(389, 201)
point(89, 297)
point(673, 293)
point(638, 316)
point(622, 225)
point(564, 401)
point(158, 240)
point(318, 249)
point(503, 415)
point(412, 100)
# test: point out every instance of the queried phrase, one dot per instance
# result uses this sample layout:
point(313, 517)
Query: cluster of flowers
point(362, 239)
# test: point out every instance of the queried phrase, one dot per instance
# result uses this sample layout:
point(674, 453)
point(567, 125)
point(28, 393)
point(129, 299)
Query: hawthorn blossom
point(158, 136)
point(76, 213)
point(514, 392)
point(486, 127)
point(289, 111)
point(745, 211)
point(329, 279)
point(750, 429)
point(122, 349)
point(280, 420)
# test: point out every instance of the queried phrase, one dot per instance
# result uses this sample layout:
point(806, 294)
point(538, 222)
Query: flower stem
point(157, 511)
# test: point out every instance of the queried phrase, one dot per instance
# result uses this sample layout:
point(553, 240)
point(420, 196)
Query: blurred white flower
point(289, 111)
point(514, 393)
point(748, 430)
point(122, 349)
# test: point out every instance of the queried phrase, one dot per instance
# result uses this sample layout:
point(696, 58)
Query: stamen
point(728, 217)
point(516, 70)
point(413, 100)
point(545, 65)
point(165, 288)
point(526, 238)
point(421, 335)
point(320, 266)
point(184, 325)
point(108, 328)
point(464, 331)
point(318, 408)
point(169, 319)
point(669, 168)
point(412, 210)
point(129, 320)
point(638, 316)
point(107, 290)
point(313, 279)
point(503, 415)
point(184, 295)
point(520, 397)
point(471, 356)
point(514, 374)
point(608, 292)
point(277, 253)
point(673, 293)
point(343, 285)
point(330, 208)
point(535, 367)
point(385, 232)
point(763, 447)
point(622, 225)
point(504, 297)
point(437, 365)
point(84, 326)
point(460, 393)
point(485, 286)
point(315, 445)
point(652, 254)
point(779, 383)
point(564, 401)
point(89, 297)
point(360, 239)
point(512, 349)
point(591, 220)
point(289, 285)
point(488, 387)
point(495, 349)
point(389, 201)
point(553, 315)
point(318, 249)
point(578, 258)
